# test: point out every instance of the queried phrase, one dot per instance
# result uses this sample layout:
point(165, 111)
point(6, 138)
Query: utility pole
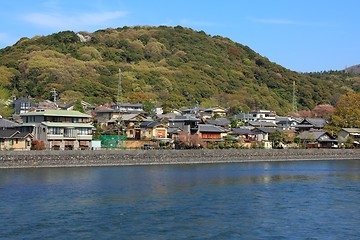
point(294, 104)
point(54, 94)
point(119, 102)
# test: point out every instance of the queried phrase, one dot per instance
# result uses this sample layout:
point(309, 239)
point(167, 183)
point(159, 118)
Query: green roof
point(69, 125)
point(57, 113)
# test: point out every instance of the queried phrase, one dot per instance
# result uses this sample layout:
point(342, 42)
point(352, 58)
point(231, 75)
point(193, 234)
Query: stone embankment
point(34, 159)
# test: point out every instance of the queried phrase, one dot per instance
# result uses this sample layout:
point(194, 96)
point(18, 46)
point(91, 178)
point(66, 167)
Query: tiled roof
point(210, 128)
point(266, 129)
point(56, 113)
point(311, 135)
point(316, 122)
point(352, 130)
point(242, 131)
point(262, 124)
point(4, 123)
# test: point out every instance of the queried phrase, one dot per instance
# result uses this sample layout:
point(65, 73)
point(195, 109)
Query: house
point(317, 139)
point(286, 122)
point(211, 133)
point(257, 116)
point(108, 117)
point(186, 123)
point(154, 131)
point(105, 116)
point(11, 139)
point(23, 105)
point(87, 106)
point(263, 136)
point(132, 123)
point(213, 112)
point(59, 129)
point(128, 108)
point(262, 116)
point(245, 135)
point(350, 133)
point(311, 123)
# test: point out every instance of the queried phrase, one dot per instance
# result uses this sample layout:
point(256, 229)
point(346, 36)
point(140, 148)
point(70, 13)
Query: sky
point(300, 35)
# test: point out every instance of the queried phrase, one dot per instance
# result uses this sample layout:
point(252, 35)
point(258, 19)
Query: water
point(295, 200)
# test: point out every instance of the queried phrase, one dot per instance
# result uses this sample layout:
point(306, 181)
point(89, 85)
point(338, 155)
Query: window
point(11, 142)
point(84, 131)
point(55, 130)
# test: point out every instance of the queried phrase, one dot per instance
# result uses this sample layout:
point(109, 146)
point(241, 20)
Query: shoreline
point(107, 158)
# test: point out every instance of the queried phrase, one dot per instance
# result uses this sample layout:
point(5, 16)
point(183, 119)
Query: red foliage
point(38, 145)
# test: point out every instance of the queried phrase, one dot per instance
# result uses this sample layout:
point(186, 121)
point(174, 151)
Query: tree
point(78, 106)
point(323, 110)
point(277, 138)
point(347, 112)
point(149, 107)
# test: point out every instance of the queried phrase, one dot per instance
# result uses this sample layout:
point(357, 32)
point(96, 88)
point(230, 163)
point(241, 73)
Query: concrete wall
point(24, 159)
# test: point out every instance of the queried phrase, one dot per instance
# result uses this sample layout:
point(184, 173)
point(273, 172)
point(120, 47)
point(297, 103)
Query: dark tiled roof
point(8, 133)
point(4, 123)
point(210, 128)
point(219, 122)
point(11, 133)
point(315, 122)
point(242, 131)
point(266, 129)
point(308, 135)
point(262, 124)
point(150, 124)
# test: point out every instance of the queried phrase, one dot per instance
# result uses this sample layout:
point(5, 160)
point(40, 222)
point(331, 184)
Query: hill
point(353, 69)
point(168, 66)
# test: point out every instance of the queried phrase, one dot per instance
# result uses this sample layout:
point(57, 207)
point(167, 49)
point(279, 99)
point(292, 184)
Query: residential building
point(317, 139)
point(129, 108)
point(23, 105)
point(350, 133)
point(311, 123)
point(214, 112)
point(211, 133)
point(154, 131)
point(188, 124)
point(59, 129)
point(11, 139)
point(263, 115)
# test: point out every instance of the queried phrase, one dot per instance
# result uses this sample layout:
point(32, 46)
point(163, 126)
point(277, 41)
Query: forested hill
point(169, 66)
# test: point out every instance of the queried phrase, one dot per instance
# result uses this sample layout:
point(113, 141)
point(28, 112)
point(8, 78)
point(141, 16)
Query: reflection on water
point(217, 201)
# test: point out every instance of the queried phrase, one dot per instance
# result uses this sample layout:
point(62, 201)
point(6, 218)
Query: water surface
point(287, 200)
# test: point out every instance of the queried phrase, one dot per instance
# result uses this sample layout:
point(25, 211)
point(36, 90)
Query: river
point(265, 200)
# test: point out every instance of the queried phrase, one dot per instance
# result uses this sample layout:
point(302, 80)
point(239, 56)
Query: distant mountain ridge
point(172, 67)
point(353, 69)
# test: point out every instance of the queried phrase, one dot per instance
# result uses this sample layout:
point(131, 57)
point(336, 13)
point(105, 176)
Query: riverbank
point(36, 159)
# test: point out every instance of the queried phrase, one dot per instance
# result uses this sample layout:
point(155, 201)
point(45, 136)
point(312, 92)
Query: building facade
point(59, 129)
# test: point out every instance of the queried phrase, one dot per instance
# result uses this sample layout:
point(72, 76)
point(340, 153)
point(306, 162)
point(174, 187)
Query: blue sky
point(301, 35)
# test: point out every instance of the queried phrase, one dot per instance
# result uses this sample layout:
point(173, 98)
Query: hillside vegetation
point(169, 66)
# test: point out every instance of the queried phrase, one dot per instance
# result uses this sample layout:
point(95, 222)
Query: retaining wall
point(33, 159)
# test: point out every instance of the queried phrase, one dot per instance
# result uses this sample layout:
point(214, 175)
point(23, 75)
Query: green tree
point(149, 108)
point(78, 106)
point(347, 112)
point(278, 138)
